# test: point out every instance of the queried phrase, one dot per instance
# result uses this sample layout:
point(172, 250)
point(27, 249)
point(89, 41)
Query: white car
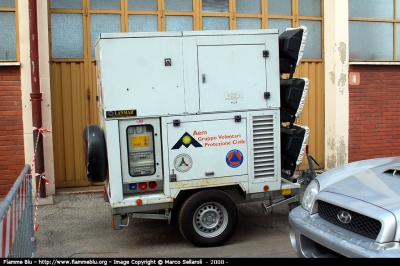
point(350, 211)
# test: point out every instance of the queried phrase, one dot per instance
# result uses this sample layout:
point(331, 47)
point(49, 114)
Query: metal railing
point(16, 224)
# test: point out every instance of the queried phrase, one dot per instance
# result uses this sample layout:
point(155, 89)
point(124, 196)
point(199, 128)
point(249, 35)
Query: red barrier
point(11, 211)
point(15, 202)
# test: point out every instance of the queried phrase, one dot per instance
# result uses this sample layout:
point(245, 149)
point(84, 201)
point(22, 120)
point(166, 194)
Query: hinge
point(86, 11)
point(265, 53)
point(95, 62)
point(267, 95)
point(177, 123)
point(88, 93)
point(234, 15)
point(238, 118)
point(162, 13)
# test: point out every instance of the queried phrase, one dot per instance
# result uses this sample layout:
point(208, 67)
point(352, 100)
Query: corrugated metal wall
point(314, 110)
point(70, 112)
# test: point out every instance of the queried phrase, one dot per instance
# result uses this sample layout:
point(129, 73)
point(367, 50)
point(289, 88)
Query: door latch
point(177, 123)
point(173, 176)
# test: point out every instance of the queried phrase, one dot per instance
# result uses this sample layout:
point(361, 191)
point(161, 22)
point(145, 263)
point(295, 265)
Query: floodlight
point(291, 48)
point(293, 143)
point(293, 97)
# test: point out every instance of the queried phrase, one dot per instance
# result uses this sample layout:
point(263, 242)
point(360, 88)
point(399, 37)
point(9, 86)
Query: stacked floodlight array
point(293, 95)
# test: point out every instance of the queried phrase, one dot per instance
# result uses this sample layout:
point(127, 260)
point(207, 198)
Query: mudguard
point(95, 154)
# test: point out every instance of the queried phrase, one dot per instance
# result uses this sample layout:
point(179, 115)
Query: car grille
point(359, 223)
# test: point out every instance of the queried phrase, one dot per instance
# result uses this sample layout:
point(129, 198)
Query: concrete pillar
point(24, 49)
point(336, 57)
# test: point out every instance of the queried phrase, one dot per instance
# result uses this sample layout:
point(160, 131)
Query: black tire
point(95, 154)
point(208, 218)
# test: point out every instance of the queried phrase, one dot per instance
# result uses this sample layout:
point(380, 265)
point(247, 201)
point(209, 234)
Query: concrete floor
point(78, 225)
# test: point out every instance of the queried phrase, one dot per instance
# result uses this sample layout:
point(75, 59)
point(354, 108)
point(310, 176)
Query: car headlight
point(309, 195)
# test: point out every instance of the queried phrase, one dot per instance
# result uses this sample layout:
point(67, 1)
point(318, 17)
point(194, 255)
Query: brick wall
point(12, 159)
point(374, 129)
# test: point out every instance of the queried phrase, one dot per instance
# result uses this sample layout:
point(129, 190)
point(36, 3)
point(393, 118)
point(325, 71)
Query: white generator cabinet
point(189, 124)
point(178, 73)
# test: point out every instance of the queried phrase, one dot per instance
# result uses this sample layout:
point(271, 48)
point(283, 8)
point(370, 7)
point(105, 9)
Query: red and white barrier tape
point(42, 177)
point(10, 222)
point(41, 131)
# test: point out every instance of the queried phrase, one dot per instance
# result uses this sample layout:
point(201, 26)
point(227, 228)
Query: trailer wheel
point(208, 218)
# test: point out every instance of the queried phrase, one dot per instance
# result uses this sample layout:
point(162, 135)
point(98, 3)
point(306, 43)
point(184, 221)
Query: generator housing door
point(140, 150)
point(207, 146)
point(232, 77)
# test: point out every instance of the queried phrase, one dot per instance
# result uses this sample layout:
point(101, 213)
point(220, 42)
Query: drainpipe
point(36, 96)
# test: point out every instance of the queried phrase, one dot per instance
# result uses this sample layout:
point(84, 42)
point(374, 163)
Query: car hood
point(376, 181)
